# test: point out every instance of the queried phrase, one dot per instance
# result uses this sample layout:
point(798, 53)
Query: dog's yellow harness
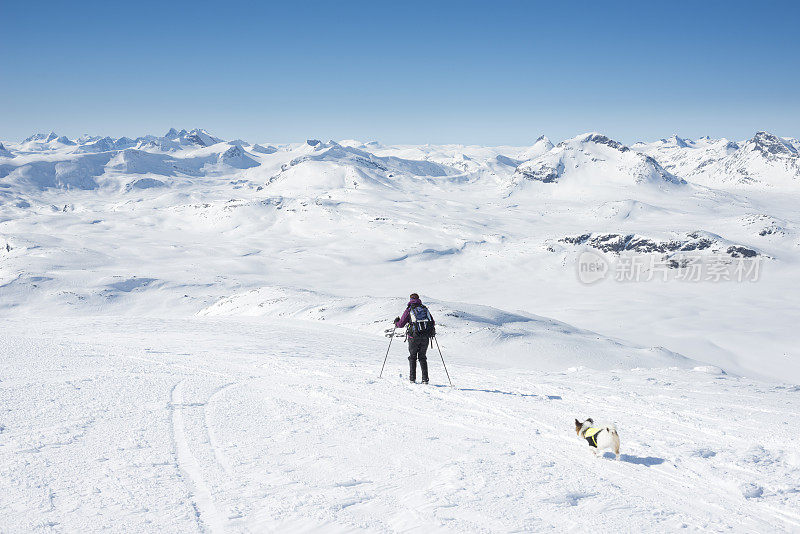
point(591, 436)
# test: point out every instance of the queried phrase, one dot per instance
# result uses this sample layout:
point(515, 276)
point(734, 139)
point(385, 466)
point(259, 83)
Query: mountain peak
point(64, 140)
point(173, 134)
point(539, 147)
point(236, 156)
point(579, 160)
point(768, 143)
point(597, 138)
point(199, 136)
point(263, 150)
point(35, 137)
point(235, 151)
point(676, 141)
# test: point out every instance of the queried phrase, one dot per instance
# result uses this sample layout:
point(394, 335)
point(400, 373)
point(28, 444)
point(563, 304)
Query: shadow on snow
point(646, 460)
point(497, 391)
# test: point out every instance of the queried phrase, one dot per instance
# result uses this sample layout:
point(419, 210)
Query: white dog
point(599, 437)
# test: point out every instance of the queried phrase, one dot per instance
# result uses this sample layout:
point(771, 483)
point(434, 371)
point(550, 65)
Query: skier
point(420, 328)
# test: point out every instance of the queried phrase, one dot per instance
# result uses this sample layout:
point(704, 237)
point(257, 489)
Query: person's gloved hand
point(396, 320)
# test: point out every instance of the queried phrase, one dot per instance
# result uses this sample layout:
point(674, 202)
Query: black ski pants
point(417, 350)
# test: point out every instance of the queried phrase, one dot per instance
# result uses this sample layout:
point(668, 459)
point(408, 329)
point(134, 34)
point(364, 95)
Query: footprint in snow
point(351, 483)
point(751, 491)
point(704, 453)
point(571, 499)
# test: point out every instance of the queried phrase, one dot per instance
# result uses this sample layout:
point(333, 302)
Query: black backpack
point(421, 324)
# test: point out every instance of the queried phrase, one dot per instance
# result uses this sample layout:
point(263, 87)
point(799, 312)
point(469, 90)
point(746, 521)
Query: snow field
point(214, 424)
point(255, 406)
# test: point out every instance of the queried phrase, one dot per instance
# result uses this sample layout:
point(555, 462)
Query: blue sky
point(416, 72)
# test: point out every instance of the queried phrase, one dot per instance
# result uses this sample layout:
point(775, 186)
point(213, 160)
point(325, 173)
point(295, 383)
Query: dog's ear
point(578, 423)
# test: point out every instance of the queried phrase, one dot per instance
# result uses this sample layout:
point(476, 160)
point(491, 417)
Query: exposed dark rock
point(610, 242)
point(737, 251)
point(194, 138)
point(645, 245)
point(542, 173)
point(601, 140)
point(767, 143)
point(618, 243)
point(577, 240)
point(701, 243)
point(765, 225)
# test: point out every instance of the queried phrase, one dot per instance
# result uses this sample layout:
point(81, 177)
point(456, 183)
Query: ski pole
point(391, 338)
point(442, 357)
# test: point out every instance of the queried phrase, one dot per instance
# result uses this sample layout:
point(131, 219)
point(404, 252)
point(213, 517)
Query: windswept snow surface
point(485, 335)
point(192, 329)
point(215, 425)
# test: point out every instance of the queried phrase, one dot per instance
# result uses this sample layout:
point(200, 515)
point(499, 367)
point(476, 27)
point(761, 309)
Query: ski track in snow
point(284, 426)
point(202, 500)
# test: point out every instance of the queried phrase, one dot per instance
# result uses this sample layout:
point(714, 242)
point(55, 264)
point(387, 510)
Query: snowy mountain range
point(765, 160)
point(594, 159)
point(101, 224)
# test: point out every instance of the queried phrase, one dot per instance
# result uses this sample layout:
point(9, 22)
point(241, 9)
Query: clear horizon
point(453, 73)
point(367, 140)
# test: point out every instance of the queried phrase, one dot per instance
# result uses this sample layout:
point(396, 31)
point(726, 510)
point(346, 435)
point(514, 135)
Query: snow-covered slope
point(684, 157)
point(4, 152)
point(541, 146)
point(278, 425)
point(106, 144)
point(344, 167)
point(50, 162)
point(484, 334)
point(593, 159)
point(765, 160)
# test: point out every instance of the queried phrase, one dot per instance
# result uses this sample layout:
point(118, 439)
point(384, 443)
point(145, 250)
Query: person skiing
point(420, 328)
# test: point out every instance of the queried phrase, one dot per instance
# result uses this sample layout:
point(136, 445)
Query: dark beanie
point(414, 296)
